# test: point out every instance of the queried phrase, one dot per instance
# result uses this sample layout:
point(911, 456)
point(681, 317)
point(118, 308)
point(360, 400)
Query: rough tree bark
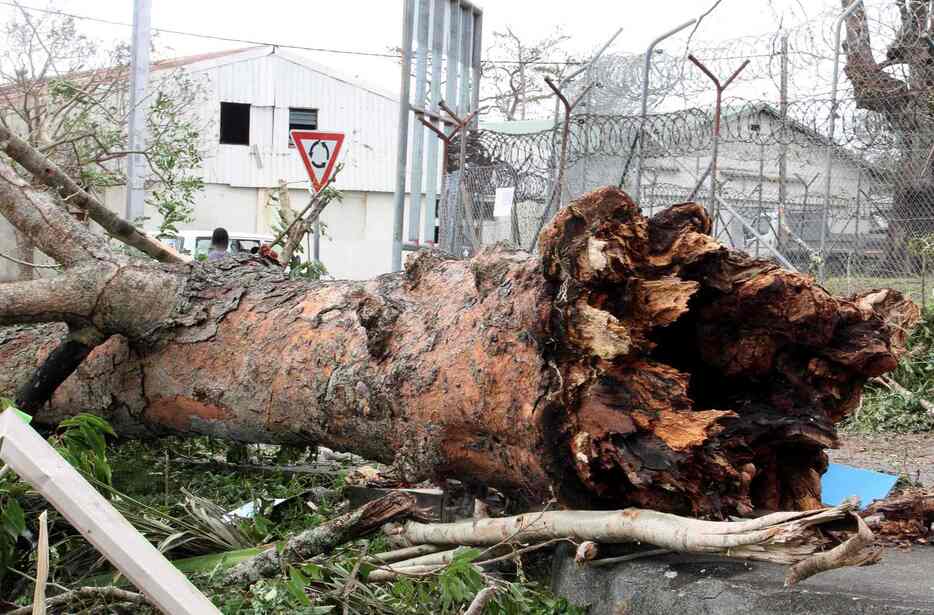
point(635, 362)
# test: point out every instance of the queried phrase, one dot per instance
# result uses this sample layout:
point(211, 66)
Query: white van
point(198, 243)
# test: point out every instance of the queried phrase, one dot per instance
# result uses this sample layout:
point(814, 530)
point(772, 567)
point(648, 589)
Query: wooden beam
point(37, 463)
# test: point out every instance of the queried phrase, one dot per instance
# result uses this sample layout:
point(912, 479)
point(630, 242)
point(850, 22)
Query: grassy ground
point(153, 481)
point(910, 286)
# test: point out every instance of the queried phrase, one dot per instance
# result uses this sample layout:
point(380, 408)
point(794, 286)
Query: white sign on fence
point(503, 203)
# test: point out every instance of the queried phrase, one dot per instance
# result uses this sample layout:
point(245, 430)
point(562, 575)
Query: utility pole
point(136, 129)
point(783, 147)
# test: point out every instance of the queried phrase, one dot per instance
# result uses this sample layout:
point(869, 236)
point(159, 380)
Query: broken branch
point(325, 537)
point(111, 594)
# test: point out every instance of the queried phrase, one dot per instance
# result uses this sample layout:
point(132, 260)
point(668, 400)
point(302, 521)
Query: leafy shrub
point(886, 410)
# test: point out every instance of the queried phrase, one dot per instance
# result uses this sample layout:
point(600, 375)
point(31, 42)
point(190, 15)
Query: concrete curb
point(902, 584)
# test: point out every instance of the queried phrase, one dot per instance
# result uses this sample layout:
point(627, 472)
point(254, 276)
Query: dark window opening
point(302, 119)
point(235, 123)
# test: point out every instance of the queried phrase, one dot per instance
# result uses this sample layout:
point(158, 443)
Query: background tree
point(67, 95)
point(514, 84)
point(898, 89)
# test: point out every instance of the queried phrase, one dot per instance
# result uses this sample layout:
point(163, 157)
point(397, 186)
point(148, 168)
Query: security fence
point(839, 185)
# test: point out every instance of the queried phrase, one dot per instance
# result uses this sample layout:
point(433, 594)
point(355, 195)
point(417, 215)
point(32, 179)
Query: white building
point(254, 97)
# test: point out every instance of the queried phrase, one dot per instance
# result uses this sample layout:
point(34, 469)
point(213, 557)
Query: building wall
point(358, 230)
point(272, 84)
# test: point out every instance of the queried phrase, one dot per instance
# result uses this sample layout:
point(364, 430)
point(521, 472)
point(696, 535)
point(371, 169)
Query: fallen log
point(635, 362)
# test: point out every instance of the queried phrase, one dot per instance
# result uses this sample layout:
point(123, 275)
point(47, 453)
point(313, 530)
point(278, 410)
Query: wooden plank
point(37, 463)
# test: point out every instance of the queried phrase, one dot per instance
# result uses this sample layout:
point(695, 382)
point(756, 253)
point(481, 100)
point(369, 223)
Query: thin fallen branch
point(27, 263)
point(421, 567)
point(352, 579)
point(402, 554)
point(111, 594)
point(324, 538)
point(318, 468)
point(783, 537)
point(609, 561)
point(480, 601)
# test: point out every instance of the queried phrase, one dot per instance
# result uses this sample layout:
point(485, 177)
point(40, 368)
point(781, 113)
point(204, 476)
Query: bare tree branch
point(45, 171)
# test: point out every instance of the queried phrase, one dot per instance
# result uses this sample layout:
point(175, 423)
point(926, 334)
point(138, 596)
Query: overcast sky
point(375, 25)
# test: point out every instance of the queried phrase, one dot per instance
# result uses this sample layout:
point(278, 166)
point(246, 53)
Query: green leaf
point(296, 585)
point(14, 520)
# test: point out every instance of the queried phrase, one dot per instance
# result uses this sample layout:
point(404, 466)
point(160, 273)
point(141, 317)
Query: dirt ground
point(911, 455)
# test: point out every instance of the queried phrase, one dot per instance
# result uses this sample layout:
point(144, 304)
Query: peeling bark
point(636, 362)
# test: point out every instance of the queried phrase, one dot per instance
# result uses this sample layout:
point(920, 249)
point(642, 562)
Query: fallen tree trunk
point(636, 362)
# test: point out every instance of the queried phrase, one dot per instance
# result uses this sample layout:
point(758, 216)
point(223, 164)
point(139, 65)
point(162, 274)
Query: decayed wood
point(636, 362)
point(324, 538)
point(907, 516)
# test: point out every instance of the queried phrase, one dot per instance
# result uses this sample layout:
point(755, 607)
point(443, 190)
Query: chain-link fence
point(839, 185)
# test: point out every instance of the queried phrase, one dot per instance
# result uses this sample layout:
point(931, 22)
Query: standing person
point(219, 243)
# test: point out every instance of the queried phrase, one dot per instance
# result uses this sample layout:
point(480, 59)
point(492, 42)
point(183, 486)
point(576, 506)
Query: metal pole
point(561, 84)
point(469, 214)
point(437, 54)
point(647, 64)
point(418, 132)
point(838, 26)
point(476, 70)
point(588, 113)
point(783, 148)
point(714, 202)
point(761, 188)
point(402, 145)
point(859, 192)
point(448, 217)
point(136, 129)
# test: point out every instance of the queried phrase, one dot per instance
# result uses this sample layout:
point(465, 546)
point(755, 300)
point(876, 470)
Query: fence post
point(647, 64)
point(402, 144)
point(561, 84)
point(783, 148)
point(838, 25)
point(720, 87)
point(418, 132)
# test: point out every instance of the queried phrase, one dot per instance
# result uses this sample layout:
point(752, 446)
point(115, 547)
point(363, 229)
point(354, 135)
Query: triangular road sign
point(319, 151)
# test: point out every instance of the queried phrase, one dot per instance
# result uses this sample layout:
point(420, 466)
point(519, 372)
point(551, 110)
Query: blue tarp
point(841, 482)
